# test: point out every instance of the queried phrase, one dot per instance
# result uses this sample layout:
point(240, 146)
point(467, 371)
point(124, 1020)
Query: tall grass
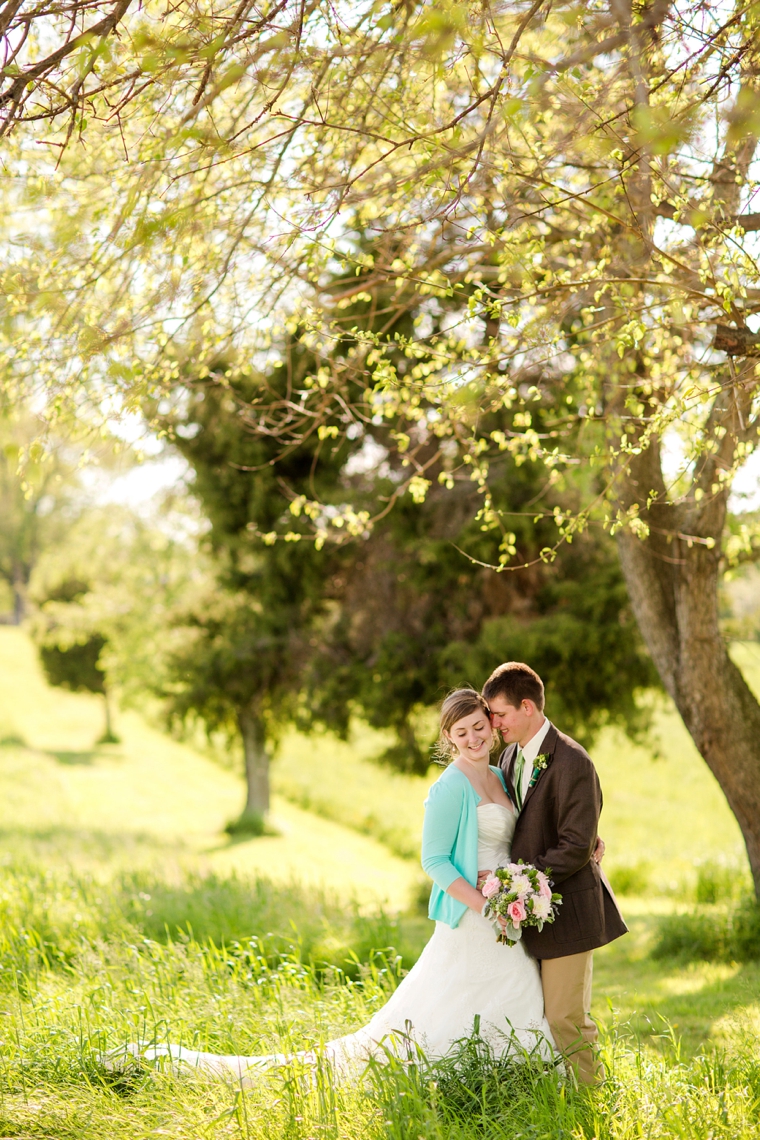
point(54, 1085)
point(48, 916)
point(93, 958)
point(87, 968)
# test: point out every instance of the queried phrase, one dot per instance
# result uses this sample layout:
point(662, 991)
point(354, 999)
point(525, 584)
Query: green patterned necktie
point(518, 775)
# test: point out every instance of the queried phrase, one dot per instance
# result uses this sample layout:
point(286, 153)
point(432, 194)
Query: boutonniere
point(540, 764)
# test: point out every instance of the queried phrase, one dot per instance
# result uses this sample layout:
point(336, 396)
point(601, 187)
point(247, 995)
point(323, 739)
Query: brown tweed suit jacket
point(557, 828)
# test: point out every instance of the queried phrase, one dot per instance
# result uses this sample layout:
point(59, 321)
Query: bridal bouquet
point(523, 896)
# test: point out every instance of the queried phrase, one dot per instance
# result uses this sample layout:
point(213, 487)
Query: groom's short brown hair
point(515, 682)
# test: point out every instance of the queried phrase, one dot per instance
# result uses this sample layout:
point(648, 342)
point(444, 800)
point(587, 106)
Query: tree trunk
point(109, 723)
point(19, 596)
point(673, 574)
point(109, 736)
point(256, 762)
point(673, 579)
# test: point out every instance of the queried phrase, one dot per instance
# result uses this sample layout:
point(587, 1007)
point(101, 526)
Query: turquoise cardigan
point(450, 840)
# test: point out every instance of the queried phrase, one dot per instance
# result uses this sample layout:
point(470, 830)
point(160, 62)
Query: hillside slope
point(151, 798)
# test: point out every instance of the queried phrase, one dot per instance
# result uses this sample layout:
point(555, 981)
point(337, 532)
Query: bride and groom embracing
point(541, 805)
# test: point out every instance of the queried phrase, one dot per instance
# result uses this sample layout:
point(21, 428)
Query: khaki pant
point(567, 1002)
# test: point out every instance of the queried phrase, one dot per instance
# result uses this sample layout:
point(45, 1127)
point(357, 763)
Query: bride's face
point(472, 736)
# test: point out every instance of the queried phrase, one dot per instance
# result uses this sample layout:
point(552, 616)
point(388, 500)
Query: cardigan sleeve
point(443, 812)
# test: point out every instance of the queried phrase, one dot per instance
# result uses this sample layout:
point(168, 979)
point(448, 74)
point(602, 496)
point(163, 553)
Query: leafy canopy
point(577, 178)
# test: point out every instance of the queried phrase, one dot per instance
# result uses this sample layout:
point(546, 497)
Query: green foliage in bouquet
point(521, 895)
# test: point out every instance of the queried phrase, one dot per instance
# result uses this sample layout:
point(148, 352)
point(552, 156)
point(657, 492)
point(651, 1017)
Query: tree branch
point(750, 223)
point(14, 93)
point(736, 342)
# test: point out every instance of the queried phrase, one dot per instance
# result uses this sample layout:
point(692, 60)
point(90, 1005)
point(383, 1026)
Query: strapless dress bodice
point(496, 826)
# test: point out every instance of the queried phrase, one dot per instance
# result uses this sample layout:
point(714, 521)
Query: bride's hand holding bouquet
point(517, 896)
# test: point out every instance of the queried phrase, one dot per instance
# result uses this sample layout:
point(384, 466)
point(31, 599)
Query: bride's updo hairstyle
point(458, 704)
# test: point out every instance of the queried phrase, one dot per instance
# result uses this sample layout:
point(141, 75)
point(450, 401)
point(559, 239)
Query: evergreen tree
point(246, 646)
point(72, 658)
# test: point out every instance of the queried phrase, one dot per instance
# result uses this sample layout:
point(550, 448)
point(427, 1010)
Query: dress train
point(463, 974)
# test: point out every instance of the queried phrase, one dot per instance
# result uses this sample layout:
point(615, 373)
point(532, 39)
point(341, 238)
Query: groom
point(555, 789)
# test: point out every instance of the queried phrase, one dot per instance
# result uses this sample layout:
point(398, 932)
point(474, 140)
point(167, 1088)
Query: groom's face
point(513, 723)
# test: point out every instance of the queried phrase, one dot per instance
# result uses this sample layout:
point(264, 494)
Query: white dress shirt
point(531, 750)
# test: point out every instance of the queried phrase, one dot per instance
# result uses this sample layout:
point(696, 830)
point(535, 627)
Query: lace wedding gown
point(462, 973)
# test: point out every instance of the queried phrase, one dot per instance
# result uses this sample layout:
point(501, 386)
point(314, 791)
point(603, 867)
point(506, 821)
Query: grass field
point(151, 799)
point(126, 913)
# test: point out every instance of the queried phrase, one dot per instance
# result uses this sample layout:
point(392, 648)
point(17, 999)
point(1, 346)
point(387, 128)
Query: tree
point(234, 671)
point(241, 666)
point(414, 617)
point(36, 489)
point(66, 61)
point(581, 177)
point(75, 665)
point(378, 623)
point(592, 297)
point(103, 601)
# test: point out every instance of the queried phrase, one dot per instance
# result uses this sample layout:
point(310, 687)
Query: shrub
point(745, 931)
point(711, 933)
point(419, 896)
point(631, 879)
point(721, 881)
point(700, 935)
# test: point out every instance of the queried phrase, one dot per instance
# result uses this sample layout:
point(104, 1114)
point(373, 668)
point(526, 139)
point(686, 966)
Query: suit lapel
point(507, 763)
point(547, 748)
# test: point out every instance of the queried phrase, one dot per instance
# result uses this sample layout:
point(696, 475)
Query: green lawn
point(151, 799)
point(705, 1003)
point(338, 780)
point(125, 912)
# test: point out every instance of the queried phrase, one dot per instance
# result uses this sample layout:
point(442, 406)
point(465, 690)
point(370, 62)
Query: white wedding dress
point(462, 973)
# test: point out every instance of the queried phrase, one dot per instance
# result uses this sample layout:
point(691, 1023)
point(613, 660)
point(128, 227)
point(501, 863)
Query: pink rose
point(490, 887)
point(544, 888)
point(516, 911)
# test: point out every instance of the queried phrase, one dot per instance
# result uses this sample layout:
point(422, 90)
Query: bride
point(463, 972)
